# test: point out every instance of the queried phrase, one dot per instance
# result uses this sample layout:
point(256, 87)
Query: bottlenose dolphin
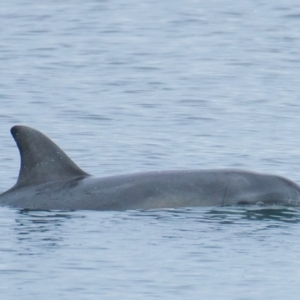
point(50, 180)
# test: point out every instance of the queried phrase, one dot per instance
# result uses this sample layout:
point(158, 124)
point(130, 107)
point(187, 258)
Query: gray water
point(126, 86)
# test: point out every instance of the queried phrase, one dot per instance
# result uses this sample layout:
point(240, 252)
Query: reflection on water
point(229, 214)
point(253, 213)
point(48, 251)
point(43, 229)
point(38, 232)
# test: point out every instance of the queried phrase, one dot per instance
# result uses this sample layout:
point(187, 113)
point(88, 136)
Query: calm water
point(125, 86)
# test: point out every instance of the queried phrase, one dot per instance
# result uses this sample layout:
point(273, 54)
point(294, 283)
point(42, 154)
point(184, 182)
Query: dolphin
point(50, 180)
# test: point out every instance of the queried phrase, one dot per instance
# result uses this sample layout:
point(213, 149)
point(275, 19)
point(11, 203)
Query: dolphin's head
point(266, 189)
point(291, 191)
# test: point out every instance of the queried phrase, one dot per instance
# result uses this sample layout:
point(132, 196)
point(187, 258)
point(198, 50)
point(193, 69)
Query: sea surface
point(128, 86)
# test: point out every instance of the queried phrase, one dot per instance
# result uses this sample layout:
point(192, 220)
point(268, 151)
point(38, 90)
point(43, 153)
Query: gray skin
point(50, 180)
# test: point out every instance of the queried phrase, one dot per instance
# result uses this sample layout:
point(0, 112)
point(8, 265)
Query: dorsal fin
point(41, 160)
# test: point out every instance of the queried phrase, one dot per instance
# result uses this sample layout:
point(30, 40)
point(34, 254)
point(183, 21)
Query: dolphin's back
point(150, 190)
point(49, 179)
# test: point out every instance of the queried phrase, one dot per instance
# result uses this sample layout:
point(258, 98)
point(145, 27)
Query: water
point(212, 253)
point(124, 87)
